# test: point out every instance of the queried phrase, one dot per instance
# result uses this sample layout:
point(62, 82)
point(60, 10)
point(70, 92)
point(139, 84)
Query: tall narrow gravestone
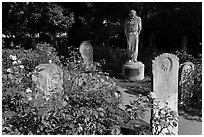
point(184, 43)
point(186, 82)
point(86, 51)
point(165, 86)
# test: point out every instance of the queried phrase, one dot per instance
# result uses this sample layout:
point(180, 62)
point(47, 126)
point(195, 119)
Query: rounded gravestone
point(86, 51)
point(48, 78)
point(186, 82)
point(133, 71)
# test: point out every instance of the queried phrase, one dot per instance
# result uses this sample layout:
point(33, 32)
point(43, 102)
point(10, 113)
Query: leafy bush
point(87, 106)
point(164, 119)
point(20, 114)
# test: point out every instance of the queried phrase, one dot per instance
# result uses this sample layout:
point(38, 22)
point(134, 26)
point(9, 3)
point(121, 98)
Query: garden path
point(188, 125)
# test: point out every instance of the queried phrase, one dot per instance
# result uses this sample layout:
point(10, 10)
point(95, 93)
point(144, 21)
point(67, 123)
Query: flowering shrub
point(164, 120)
point(138, 107)
point(87, 105)
point(20, 114)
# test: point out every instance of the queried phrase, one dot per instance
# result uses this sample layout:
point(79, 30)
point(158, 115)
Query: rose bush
point(88, 104)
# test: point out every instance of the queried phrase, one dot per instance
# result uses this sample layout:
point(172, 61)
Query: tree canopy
point(20, 18)
point(102, 22)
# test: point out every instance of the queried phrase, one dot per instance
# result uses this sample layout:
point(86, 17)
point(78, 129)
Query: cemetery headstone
point(165, 86)
point(48, 78)
point(186, 82)
point(86, 51)
point(184, 44)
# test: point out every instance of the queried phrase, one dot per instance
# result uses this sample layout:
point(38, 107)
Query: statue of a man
point(133, 26)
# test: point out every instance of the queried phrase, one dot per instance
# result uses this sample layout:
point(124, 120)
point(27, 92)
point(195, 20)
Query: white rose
point(102, 80)
point(21, 66)
point(28, 90)
point(14, 62)
point(19, 61)
point(47, 98)
point(13, 57)
point(8, 70)
point(30, 98)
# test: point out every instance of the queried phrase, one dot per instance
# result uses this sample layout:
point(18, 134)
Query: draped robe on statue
point(132, 28)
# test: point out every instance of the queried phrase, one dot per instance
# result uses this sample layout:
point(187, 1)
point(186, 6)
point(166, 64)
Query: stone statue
point(132, 28)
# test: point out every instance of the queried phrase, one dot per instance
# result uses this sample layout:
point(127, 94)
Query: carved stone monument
point(186, 82)
point(48, 78)
point(165, 86)
point(133, 69)
point(86, 51)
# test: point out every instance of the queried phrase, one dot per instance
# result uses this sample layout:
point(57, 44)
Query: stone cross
point(86, 51)
point(186, 82)
point(48, 78)
point(165, 86)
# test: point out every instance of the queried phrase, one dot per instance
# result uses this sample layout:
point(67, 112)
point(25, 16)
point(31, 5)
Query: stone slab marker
point(86, 51)
point(184, 43)
point(186, 82)
point(48, 78)
point(165, 86)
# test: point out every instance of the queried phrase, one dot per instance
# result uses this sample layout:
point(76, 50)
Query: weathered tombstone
point(48, 78)
point(186, 82)
point(165, 86)
point(86, 51)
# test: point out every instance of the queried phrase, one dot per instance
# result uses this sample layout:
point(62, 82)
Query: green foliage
point(138, 107)
point(184, 57)
point(164, 120)
point(30, 58)
point(20, 111)
point(87, 106)
point(22, 18)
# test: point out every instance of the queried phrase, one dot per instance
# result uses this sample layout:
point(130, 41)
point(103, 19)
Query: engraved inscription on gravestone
point(48, 78)
point(186, 82)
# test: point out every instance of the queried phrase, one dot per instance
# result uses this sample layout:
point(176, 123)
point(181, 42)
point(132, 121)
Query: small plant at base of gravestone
point(136, 111)
point(163, 119)
point(137, 108)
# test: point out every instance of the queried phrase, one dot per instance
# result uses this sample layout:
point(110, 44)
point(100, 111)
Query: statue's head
point(132, 13)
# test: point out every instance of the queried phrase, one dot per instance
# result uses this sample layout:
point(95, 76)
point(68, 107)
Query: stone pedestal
point(133, 71)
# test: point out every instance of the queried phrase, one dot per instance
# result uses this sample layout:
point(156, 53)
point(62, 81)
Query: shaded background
point(67, 24)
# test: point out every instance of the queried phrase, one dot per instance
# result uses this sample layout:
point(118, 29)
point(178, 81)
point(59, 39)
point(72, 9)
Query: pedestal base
point(133, 71)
